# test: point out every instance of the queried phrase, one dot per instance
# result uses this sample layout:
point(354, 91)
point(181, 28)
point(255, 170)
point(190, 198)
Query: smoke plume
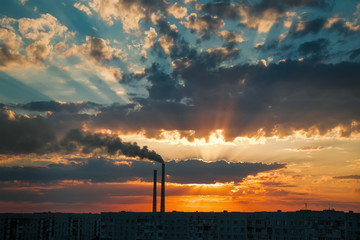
point(87, 142)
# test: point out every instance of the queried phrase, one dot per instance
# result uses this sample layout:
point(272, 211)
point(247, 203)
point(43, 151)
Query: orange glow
point(265, 192)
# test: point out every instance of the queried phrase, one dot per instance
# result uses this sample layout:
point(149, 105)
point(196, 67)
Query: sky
point(253, 105)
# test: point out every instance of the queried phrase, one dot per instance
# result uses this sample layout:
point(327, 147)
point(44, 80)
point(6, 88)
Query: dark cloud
point(226, 9)
point(269, 45)
point(76, 193)
point(348, 177)
point(20, 134)
point(315, 26)
point(105, 170)
point(54, 106)
point(223, 9)
point(163, 86)
point(282, 6)
point(343, 27)
point(306, 27)
point(241, 99)
point(195, 171)
point(97, 48)
point(202, 95)
point(317, 49)
point(354, 54)
point(205, 25)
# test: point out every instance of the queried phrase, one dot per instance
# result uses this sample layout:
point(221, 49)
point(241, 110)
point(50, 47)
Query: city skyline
point(253, 105)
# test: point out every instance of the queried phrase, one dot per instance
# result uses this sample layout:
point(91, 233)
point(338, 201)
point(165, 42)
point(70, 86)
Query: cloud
point(53, 106)
point(311, 148)
point(223, 9)
point(23, 1)
point(129, 12)
point(281, 6)
point(303, 28)
point(106, 170)
point(98, 52)
point(83, 8)
point(35, 36)
point(277, 98)
point(96, 48)
point(10, 44)
point(177, 11)
point(150, 38)
point(75, 193)
point(348, 177)
point(354, 54)
point(205, 24)
point(342, 25)
point(44, 28)
point(38, 51)
point(314, 26)
point(166, 42)
point(230, 36)
point(21, 134)
point(262, 21)
point(197, 171)
point(316, 49)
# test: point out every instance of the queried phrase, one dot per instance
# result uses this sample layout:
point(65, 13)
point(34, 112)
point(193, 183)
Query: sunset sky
point(254, 105)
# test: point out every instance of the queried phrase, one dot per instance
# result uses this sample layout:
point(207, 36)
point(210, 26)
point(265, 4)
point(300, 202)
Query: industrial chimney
point(154, 192)
point(162, 206)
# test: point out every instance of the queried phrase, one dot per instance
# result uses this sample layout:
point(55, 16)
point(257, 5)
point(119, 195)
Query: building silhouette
point(303, 224)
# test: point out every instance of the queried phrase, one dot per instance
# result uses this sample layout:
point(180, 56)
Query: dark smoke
point(76, 139)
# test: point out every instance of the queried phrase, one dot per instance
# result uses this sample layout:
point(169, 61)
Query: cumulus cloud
point(106, 170)
point(150, 38)
point(128, 12)
point(83, 8)
point(166, 42)
point(96, 48)
point(37, 51)
point(262, 22)
point(177, 11)
point(205, 24)
point(10, 45)
point(230, 36)
point(35, 36)
point(44, 28)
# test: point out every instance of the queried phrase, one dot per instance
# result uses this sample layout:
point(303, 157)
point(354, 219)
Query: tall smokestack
point(154, 192)
point(162, 207)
